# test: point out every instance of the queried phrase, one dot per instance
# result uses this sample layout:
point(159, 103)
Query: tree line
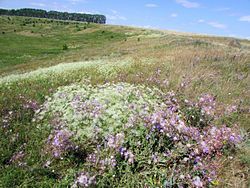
point(38, 13)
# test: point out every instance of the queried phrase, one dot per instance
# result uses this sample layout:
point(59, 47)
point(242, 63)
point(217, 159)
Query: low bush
point(132, 135)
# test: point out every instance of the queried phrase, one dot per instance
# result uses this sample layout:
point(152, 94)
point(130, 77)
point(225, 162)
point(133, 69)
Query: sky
point(214, 17)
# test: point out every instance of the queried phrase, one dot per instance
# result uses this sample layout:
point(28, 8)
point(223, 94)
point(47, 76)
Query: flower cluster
point(105, 109)
point(115, 141)
point(6, 119)
point(157, 78)
point(29, 104)
point(59, 143)
point(231, 109)
point(128, 155)
point(84, 180)
point(137, 128)
point(207, 104)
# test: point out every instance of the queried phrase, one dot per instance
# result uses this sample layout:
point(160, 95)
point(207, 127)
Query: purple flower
point(115, 141)
point(59, 143)
point(197, 182)
point(128, 155)
point(207, 104)
point(84, 180)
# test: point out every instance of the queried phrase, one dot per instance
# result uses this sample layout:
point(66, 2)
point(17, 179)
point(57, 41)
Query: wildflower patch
point(131, 131)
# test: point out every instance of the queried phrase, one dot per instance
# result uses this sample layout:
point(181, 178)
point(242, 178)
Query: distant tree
point(101, 19)
point(3, 32)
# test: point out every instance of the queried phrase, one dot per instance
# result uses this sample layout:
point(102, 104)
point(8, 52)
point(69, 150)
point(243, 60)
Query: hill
point(87, 103)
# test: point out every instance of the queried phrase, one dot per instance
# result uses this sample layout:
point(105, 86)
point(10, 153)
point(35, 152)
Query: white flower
point(197, 182)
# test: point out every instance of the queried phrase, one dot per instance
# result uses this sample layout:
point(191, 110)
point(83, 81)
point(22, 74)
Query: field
point(115, 106)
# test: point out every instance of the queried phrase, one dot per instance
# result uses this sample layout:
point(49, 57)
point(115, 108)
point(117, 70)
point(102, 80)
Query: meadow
point(88, 105)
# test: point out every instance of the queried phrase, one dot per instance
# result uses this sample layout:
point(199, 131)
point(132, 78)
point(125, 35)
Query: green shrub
point(65, 47)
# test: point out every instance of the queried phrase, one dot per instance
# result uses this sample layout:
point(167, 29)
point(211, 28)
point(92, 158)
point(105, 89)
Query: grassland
point(33, 65)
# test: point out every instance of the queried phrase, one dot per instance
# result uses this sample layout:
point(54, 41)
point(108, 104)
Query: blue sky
point(214, 17)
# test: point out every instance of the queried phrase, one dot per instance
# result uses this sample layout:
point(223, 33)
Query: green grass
point(206, 64)
point(45, 41)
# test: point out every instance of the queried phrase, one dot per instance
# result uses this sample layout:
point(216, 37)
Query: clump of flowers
point(29, 104)
point(207, 104)
point(138, 130)
point(6, 119)
point(231, 109)
point(84, 180)
point(106, 109)
point(59, 143)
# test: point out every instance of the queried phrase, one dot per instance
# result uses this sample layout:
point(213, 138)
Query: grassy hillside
point(41, 59)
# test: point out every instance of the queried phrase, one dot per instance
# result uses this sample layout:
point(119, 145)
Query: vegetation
point(171, 110)
point(46, 41)
point(65, 47)
point(101, 19)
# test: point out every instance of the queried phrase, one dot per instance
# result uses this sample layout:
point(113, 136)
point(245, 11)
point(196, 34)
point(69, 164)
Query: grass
point(190, 65)
point(45, 41)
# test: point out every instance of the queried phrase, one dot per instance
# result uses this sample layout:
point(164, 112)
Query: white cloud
point(217, 25)
point(213, 24)
point(174, 15)
point(59, 7)
point(114, 11)
point(188, 4)
point(74, 2)
point(222, 9)
point(115, 16)
point(89, 12)
point(245, 18)
point(150, 5)
point(201, 21)
point(38, 4)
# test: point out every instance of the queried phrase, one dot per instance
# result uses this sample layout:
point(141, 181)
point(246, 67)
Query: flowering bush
point(137, 131)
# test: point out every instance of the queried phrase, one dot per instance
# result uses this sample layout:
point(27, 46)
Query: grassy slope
point(205, 64)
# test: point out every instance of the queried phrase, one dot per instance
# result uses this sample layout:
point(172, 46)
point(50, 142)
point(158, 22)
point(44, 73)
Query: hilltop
point(115, 77)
